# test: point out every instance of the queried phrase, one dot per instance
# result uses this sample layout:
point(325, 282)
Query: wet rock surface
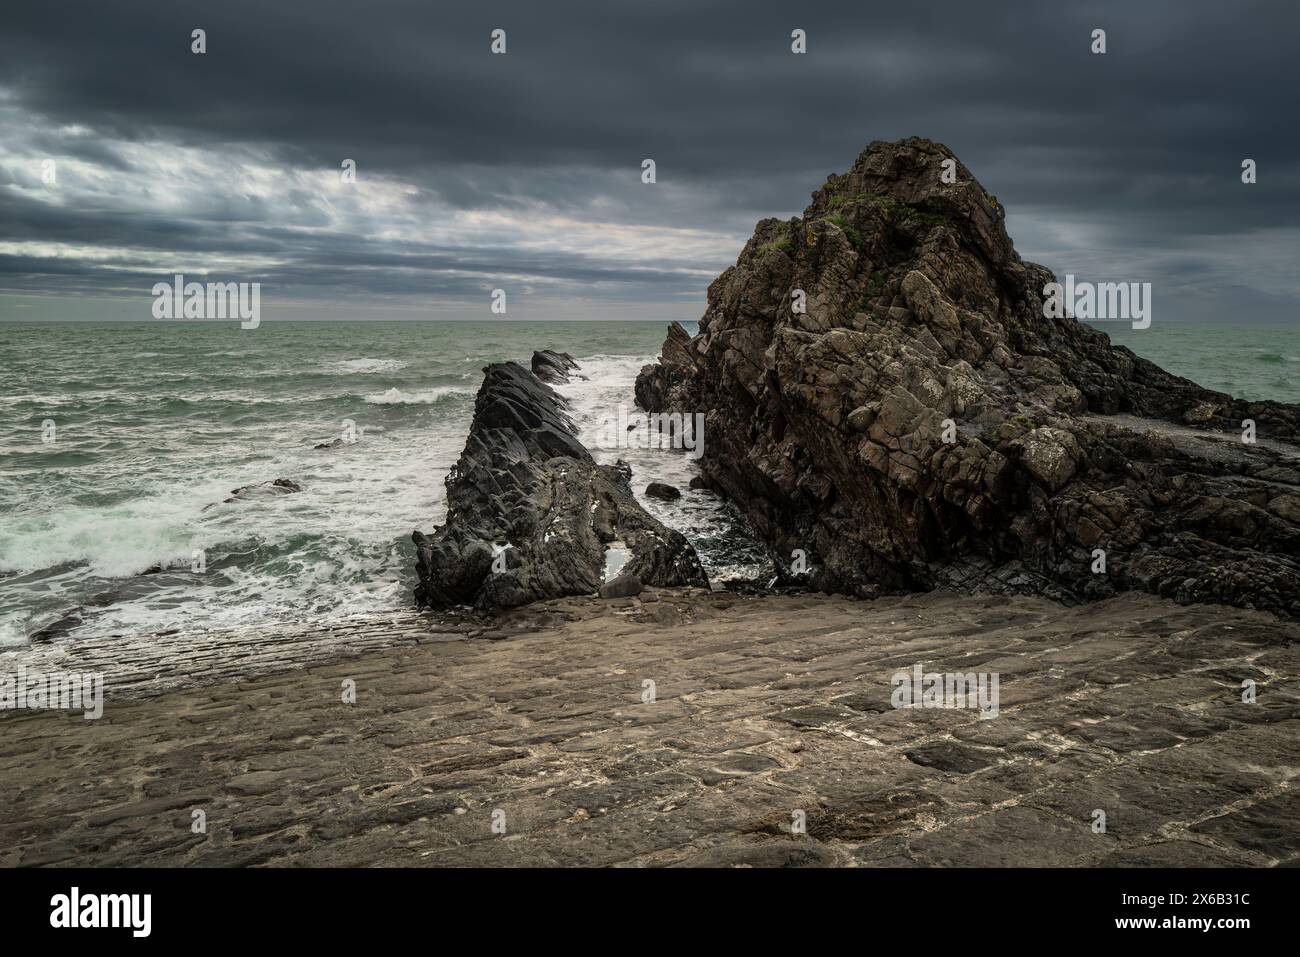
point(553, 368)
point(624, 586)
point(663, 491)
point(530, 513)
point(923, 424)
point(762, 706)
point(280, 486)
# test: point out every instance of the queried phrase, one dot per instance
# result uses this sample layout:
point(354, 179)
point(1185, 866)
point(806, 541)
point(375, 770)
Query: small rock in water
point(697, 481)
point(280, 486)
point(624, 586)
point(71, 621)
point(662, 491)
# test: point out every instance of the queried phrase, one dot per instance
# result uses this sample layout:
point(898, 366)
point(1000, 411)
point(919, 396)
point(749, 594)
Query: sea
point(120, 444)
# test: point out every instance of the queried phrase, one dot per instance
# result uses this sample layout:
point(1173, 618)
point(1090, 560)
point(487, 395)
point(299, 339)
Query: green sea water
point(1249, 361)
point(154, 424)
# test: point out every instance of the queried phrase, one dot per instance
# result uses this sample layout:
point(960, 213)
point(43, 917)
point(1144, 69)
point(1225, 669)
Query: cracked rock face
point(529, 512)
point(828, 426)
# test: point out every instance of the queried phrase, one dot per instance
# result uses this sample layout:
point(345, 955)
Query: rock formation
point(530, 513)
point(827, 427)
point(553, 368)
point(280, 486)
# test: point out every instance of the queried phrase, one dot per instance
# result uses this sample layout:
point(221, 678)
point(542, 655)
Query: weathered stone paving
point(764, 706)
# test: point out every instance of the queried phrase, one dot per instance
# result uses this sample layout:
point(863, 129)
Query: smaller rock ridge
point(529, 512)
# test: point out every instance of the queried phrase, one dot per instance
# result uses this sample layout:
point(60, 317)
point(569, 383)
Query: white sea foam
point(419, 397)
point(334, 548)
point(113, 541)
point(13, 629)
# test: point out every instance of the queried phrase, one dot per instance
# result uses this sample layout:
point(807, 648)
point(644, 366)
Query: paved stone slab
point(770, 739)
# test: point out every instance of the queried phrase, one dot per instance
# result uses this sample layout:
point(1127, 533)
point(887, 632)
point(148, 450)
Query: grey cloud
point(1141, 146)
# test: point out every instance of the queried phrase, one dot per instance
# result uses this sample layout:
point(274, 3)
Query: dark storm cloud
point(1130, 157)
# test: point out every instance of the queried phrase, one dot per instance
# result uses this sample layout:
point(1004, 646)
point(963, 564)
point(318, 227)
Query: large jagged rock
point(526, 482)
point(827, 427)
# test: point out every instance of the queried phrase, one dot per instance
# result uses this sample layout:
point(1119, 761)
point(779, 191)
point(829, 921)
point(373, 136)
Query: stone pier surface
point(764, 707)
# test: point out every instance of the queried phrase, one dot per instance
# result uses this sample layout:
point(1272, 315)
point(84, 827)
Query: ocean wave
point(419, 397)
point(365, 366)
point(13, 629)
point(115, 542)
point(335, 578)
point(68, 398)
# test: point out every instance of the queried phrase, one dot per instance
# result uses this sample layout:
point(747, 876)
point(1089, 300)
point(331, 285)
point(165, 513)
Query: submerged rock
point(529, 512)
point(57, 628)
point(663, 491)
point(922, 423)
point(553, 367)
point(280, 486)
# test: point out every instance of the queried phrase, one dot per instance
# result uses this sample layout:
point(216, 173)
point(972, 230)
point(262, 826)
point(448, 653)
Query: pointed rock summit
point(921, 423)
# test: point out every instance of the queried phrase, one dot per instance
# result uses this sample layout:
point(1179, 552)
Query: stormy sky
point(523, 171)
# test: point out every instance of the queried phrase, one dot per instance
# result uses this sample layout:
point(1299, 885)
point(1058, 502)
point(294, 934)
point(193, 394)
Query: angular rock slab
point(529, 512)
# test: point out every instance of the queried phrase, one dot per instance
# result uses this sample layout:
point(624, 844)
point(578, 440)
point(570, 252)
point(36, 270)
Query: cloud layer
point(523, 171)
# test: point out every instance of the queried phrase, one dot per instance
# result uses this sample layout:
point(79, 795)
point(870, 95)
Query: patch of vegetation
point(783, 243)
point(913, 214)
point(842, 224)
point(877, 199)
point(925, 218)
